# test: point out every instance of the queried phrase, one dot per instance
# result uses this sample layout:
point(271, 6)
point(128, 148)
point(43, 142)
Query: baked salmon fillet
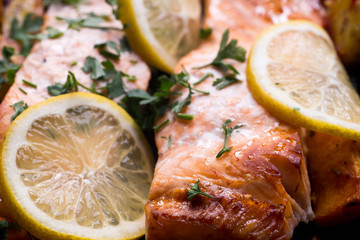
point(51, 59)
point(260, 188)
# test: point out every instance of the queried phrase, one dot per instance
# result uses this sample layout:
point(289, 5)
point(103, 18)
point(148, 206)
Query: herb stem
point(185, 116)
point(204, 78)
point(157, 128)
point(29, 83)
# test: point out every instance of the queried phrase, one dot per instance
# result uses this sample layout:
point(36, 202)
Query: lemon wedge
point(161, 31)
point(294, 72)
point(76, 167)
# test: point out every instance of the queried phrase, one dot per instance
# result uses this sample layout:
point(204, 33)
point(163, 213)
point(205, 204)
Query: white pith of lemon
point(76, 167)
point(294, 72)
point(161, 31)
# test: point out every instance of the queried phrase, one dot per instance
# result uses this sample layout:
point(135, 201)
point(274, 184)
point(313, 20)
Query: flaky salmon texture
point(260, 189)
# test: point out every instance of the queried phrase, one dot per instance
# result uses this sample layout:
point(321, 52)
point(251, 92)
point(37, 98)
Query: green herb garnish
point(205, 32)
point(115, 88)
point(22, 90)
point(19, 107)
point(227, 51)
point(195, 190)
point(91, 21)
point(71, 85)
point(168, 140)
point(108, 49)
point(7, 68)
point(157, 128)
point(124, 45)
point(227, 132)
point(92, 65)
point(51, 33)
point(225, 81)
point(73, 64)
point(25, 34)
point(203, 78)
point(29, 83)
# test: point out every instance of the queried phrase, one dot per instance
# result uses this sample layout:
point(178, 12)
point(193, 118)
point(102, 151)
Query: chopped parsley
point(109, 49)
point(19, 107)
point(22, 90)
point(195, 190)
point(115, 7)
point(227, 51)
point(115, 87)
point(124, 45)
point(7, 68)
point(29, 83)
point(168, 140)
point(73, 64)
point(203, 78)
point(205, 32)
point(131, 78)
point(91, 21)
point(227, 131)
point(225, 81)
point(157, 128)
point(26, 34)
point(51, 33)
point(71, 85)
point(92, 65)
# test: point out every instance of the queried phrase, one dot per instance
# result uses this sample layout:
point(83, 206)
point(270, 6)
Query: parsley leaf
point(195, 190)
point(115, 87)
point(7, 68)
point(157, 128)
point(204, 78)
point(51, 33)
point(19, 107)
point(124, 45)
point(92, 65)
point(71, 85)
point(108, 49)
point(25, 34)
point(228, 132)
point(227, 51)
point(225, 81)
point(168, 140)
point(92, 21)
point(205, 32)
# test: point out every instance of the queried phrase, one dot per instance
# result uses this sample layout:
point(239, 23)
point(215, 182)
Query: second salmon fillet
point(260, 189)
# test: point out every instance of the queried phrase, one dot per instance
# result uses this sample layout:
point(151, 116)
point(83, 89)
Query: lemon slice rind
point(141, 37)
point(24, 210)
point(281, 104)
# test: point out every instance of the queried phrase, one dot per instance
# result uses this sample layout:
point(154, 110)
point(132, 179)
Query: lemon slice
point(294, 72)
point(161, 31)
point(76, 167)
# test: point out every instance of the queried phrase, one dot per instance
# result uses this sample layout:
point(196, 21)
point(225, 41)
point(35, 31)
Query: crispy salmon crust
point(260, 188)
point(334, 167)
